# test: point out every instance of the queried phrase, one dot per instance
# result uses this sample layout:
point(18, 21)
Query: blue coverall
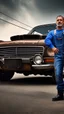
point(57, 40)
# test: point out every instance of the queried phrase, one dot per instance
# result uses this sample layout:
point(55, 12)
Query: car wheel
point(6, 75)
point(26, 74)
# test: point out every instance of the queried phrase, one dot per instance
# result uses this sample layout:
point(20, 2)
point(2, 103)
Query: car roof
point(44, 29)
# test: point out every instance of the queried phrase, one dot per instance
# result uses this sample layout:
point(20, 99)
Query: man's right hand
point(55, 50)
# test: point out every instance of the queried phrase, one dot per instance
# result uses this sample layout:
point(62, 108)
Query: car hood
point(39, 42)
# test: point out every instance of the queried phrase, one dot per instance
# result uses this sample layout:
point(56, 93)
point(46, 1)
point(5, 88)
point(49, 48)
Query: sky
point(29, 12)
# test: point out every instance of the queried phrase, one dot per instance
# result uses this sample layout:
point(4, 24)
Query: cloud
point(9, 5)
point(49, 9)
point(41, 11)
point(12, 7)
point(50, 5)
point(15, 9)
point(32, 12)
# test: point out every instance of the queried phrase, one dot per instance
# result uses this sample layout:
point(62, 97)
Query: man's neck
point(59, 27)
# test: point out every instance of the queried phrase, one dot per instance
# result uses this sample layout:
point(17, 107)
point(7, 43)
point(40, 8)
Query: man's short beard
point(59, 25)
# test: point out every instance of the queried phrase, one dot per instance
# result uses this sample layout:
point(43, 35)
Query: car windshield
point(43, 29)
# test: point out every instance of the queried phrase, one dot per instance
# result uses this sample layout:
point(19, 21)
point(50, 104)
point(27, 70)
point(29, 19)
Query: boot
point(59, 96)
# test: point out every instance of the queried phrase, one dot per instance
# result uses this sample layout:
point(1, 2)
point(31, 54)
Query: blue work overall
point(59, 60)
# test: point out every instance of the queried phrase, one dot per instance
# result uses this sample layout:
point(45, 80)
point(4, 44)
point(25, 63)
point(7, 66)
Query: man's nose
point(59, 21)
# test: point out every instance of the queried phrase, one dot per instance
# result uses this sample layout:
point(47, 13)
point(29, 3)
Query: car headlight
point(38, 59)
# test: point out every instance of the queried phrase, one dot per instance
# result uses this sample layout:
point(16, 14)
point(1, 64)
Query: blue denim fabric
point(58, 64)
point(57, 40)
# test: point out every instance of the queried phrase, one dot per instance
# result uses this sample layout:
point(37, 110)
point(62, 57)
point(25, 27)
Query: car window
point(43, 29)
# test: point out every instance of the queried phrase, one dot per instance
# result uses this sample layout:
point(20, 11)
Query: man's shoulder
point(52, 32)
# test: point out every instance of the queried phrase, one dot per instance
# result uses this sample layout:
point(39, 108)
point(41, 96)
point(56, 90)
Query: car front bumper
point(44, 66)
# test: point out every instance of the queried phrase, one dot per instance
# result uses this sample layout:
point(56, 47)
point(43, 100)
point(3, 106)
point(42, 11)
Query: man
point(55, 40)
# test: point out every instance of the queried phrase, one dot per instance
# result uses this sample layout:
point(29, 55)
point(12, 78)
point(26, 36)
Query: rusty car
point(27, 54)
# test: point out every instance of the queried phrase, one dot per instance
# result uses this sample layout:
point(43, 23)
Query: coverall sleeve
point(49, 40)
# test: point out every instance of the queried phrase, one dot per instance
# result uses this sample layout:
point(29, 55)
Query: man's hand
point(55, 50)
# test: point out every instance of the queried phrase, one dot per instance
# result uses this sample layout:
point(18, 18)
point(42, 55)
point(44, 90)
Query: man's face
point(59, 21)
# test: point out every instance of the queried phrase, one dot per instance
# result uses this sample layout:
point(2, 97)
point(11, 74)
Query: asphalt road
point(29, 95)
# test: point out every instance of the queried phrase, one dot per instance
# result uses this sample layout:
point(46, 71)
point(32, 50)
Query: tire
point(26, 74)
point(6, 75)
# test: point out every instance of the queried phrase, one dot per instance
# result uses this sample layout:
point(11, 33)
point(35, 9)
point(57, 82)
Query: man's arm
point(49, 43)
point(48, 40)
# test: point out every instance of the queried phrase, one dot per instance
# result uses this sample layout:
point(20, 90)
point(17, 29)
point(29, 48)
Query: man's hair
point(60, 16)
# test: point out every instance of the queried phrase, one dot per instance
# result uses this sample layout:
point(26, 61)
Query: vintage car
point(27, 54)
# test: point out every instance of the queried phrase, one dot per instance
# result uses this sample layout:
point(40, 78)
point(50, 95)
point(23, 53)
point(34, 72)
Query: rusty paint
point(26, 67)
point(22, 43)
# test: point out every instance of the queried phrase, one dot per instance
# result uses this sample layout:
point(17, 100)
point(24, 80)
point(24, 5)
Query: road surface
point(29, 95)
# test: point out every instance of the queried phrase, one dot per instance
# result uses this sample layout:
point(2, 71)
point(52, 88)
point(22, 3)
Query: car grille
point(20, 51)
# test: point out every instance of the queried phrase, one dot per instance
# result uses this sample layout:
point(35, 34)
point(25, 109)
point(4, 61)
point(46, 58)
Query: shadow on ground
point(31, 81)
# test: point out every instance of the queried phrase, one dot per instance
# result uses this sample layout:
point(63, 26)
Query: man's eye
point(59, 20)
